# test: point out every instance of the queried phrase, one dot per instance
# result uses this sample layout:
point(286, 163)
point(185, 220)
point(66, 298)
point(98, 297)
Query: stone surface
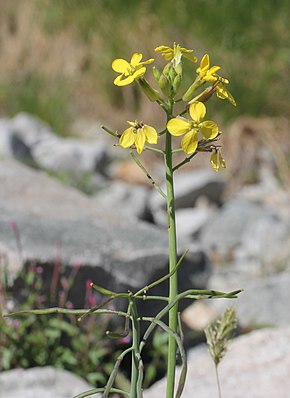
point(130, 200)
point(30, 140)
point(189, 187)
point(265, 300)
point(44, 382)
point(189, 221)
point(256, 366)
point(250, 235)
point(57, 221)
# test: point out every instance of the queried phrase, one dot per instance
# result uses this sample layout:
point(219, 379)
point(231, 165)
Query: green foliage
point(252, 36)
point(35, 95)
point(59, 341)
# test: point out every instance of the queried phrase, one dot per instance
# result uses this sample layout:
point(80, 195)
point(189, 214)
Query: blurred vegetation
point(56, 55)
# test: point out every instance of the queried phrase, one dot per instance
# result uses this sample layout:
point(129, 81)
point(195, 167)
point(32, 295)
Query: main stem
point(173, 285)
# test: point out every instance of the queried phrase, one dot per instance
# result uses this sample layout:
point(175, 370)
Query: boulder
point(129, 200)
point(189, 187)
point(249, 235)
point(30, 140)
point(265, 300)
point(58, 223)
point(256, 366)
point(44, 382)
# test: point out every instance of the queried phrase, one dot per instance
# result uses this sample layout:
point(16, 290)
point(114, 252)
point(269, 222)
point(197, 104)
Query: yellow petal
point(168, 56)
point(204, 63)
point(223, 93)
point(214, 161)
point(140, 140)
point(151, 134)
point(127, 138)
point(189, 142)
point(209, 129)
point(185, 50)
point(197, 110)
point(178, 126)
point(136, 58)
point(139, 72)
point(190, 57)
point(213, 70)
point(222, 161)
point(123, 82)
point(162, 49)
point(120, 65)
point(149, 61)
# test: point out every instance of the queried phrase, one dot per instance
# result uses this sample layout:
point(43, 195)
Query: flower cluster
point(198, 134)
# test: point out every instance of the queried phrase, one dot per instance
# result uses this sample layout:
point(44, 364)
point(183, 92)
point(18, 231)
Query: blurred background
point(56, 56)
point(56, 90)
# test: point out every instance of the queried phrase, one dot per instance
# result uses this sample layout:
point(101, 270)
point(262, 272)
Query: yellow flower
point(174, 54)
point(138, 134)
point(217, 161)
point(208, 74)
point(179, 126)
point(129, 71)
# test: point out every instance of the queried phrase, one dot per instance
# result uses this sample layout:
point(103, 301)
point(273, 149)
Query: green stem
point(218, 381)
point(173, 285)
point(136, 350)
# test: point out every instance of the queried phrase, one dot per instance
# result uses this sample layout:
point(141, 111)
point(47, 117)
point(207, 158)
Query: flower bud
point(190, 92)
point(149, 91)
point(172, 74)
point(165, 85)
point(178, 68)
point(176, 83)
point(167, 68)
point(156, 74)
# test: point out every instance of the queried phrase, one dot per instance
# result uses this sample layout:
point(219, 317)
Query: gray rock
point(30, 130)
point(256, 366)
point(190, 221)
point(44, 382)
point(265, 300)
point(130, 200)
point(250, 235)
point(30, 140)
point(189, 187)
point(71, 155)
point(116, 252)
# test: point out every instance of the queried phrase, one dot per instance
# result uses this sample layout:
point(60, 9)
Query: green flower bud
point(190, 92)
point(178, 68)
point(172, 74)
point(167, 68)
point(165, 85)
point(176, 83)
point(149, 91)
point(156, 74)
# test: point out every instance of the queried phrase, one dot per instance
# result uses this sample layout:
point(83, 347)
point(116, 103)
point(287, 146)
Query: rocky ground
point(118, 235)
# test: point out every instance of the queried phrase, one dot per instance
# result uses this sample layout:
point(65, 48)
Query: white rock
point(257, 365)
point(45, 382)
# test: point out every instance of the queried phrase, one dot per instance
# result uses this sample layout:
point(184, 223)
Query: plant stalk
point(173, 284)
